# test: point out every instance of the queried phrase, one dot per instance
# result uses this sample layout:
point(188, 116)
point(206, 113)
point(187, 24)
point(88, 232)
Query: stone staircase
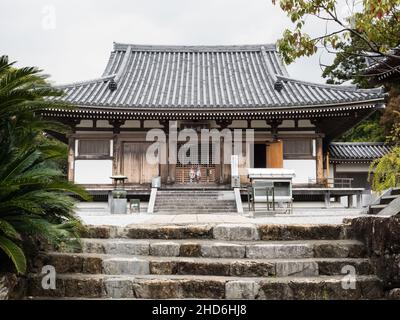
point(195, 201)
point(384, 201)
point(215, 262)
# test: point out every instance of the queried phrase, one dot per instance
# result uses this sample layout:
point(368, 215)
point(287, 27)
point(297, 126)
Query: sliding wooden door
point(135, 166)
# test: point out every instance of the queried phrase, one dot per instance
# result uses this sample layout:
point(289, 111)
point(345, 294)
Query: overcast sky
point(71, 40)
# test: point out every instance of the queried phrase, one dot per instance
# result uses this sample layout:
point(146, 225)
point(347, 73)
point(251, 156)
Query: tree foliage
point(384, 173)
point(372, 25)
point(33, 199)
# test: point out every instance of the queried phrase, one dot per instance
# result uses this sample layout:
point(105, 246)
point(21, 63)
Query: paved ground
point(98, 214)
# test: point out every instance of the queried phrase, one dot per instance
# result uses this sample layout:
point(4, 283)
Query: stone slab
point(235, 232)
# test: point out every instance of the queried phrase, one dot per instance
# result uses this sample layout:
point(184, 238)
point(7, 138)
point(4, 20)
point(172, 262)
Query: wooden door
point(135, 166)
point(275, 154)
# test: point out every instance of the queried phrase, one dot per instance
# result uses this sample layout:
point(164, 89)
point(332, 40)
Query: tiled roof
point(357, 151)
point(205, 77)
point(383, 67)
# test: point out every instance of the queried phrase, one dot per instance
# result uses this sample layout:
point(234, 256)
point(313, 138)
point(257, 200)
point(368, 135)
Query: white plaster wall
point(304, 169)
point(305, 123)
point(152, 124)
point(85, 124)
point(287, 124)
point(259, 124)
point(352, 167)
point(103, 124)
point(238, 124)
point(131, 124)
point(93, 171)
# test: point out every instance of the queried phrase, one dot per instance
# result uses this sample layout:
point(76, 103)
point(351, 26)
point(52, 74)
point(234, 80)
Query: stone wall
point(11, 286)
point(382, 239)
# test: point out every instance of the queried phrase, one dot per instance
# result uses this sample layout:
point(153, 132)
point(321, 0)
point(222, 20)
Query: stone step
point(222, 232)
point(395, 191)
point(134, 265)
point(194, 211)
point(227, 249)
point(376, 208)
point(211, 287)
point(194, 199)
point(195, 202)
point(194, 191)
point(388, 199)
point(196, 205)
point(210, 201)
point(196, 196)
point(173, 206)
point(192, 194)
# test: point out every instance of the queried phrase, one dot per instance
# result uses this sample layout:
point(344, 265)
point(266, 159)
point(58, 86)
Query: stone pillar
point(359, 199)
point(350, 201)
point(327, 199)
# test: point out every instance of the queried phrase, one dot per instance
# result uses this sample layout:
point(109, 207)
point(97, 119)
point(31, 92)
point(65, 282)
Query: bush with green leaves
point(384, 173)
point(34, 200)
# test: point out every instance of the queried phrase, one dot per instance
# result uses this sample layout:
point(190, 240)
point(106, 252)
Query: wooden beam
point(274, 128)
point(116, 123)
point(224, 123)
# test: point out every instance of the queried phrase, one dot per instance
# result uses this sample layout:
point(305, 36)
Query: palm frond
point(8, 230)
point(15, 253)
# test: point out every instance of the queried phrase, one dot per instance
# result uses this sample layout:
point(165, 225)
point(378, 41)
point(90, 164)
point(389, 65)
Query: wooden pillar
point(275, 154)
point(71, 159)
point(116, 154)
point(172, 152)
point(218, 166)
point(222, 167)
point(319, 160)
point(327, 165)
point(164, 167)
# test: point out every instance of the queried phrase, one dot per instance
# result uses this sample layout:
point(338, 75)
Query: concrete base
point(119, 206)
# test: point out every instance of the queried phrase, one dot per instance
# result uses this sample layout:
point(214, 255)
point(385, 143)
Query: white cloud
point(78, 47)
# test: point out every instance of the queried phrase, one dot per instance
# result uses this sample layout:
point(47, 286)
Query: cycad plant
point(34, 199)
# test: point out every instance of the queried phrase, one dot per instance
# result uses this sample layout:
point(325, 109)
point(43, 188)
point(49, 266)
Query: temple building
point(215, 87)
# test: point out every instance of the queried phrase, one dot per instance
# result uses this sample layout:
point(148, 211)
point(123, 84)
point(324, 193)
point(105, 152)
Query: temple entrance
point(260, 155)
point(200, 168)
point(188, 173)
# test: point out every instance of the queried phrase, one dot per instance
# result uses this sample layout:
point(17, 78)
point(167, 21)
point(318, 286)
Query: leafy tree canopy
point(368, 29)
point(371, 26)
